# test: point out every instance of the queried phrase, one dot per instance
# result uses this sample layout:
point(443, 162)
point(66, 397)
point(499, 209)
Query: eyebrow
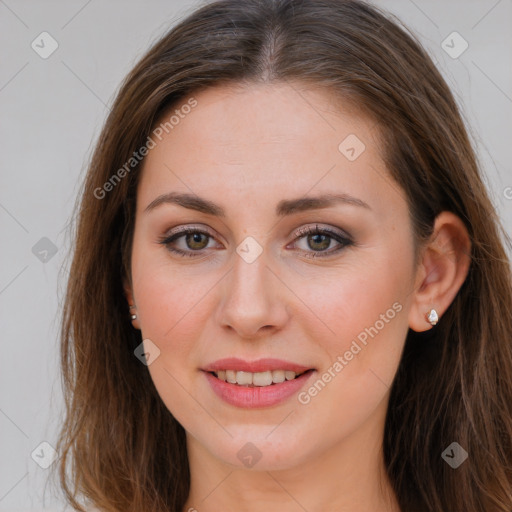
point(284, 208)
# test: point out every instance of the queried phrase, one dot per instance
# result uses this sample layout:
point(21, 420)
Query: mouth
point(256, 384)
point(257, 379)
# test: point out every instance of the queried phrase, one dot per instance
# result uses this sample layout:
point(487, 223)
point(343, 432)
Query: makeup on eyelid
point(341, 238)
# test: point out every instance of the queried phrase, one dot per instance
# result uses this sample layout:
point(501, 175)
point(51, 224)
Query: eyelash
point(300, 233)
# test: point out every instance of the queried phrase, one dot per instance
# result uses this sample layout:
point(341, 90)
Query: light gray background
point(51, 113)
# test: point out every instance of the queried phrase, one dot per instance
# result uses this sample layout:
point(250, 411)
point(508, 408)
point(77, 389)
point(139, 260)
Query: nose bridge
point(250, 300)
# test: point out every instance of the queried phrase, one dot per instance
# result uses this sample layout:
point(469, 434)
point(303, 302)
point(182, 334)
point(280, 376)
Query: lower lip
point(257, 396)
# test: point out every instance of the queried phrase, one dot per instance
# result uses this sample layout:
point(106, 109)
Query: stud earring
point(432, 317)
point(134, 316)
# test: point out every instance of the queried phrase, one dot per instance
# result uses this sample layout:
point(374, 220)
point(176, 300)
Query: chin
point(258, 451)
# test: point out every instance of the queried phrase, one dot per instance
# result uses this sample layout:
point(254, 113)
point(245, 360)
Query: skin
point(245, 149)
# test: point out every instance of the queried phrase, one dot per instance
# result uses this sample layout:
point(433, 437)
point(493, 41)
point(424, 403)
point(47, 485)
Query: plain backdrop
point(51, 113)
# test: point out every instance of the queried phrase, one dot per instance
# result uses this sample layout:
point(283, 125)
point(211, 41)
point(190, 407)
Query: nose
point(253, 302)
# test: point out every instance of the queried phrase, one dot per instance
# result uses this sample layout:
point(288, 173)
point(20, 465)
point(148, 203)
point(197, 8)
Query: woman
point(289, 285)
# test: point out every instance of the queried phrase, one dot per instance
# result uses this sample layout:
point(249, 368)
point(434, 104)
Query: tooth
point(262, 378)
point(255, 379)
point(231, 376)
point(244, 378)
point(278, 376)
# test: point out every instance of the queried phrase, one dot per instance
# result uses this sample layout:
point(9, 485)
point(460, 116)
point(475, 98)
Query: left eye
point(321, 238)
point(318, 239)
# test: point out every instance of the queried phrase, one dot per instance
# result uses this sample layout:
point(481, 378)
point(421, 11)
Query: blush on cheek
point(371, 341)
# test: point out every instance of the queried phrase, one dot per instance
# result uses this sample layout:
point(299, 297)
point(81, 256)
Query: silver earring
point(432, 317)
point(134, 316)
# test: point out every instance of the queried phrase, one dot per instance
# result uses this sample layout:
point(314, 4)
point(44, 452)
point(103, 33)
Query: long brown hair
point(121, 449)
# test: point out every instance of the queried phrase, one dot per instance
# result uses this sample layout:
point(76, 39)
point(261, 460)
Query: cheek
point(363, 301)
point(363, 357)
point(363, 317)
point(169, 296)
point(172, 316)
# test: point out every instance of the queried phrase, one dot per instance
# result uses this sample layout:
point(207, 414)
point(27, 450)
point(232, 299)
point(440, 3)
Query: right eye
point(194, 239)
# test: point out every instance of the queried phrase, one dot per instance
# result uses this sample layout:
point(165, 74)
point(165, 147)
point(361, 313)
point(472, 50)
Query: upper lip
point(260, 365)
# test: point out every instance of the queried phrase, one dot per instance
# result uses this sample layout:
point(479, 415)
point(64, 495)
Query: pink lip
point(260, 365)
point(257, 396)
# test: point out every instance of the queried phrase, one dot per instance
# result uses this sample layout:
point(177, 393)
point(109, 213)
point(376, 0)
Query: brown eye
point(320, 239)
point(194, 241)
point(319, 242)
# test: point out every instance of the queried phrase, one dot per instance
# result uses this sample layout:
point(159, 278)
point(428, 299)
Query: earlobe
point(444, 267)
point(132, 307)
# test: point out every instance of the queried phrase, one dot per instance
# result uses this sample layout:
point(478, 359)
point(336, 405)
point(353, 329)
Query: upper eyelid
point(299, 232)
point(302, 231)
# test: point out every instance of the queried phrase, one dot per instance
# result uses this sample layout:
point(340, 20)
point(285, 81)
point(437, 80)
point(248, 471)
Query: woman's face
point(254, 292)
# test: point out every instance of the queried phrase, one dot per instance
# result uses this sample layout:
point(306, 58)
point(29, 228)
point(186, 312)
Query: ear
point(128, 291)
point(442, 270)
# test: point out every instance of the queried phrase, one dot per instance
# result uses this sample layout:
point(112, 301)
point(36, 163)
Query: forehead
point(266, 141)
